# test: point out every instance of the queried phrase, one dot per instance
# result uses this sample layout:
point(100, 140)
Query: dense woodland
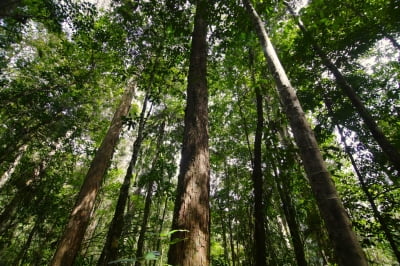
point(200, 132)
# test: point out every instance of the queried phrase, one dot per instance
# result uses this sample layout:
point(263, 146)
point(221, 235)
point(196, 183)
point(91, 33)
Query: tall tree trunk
point(161, 227)
point(110, 248)
point(23, 197)
point(192, 212)
point(227, 185)
point(245, 128)
point(290, 214)
point(26, 245)
point(259, 230)
point(392, 154)
point(11, 168)
point(148, 201)
point(231, 241)
point(282, 179)
point(74, 232)
point(143, 226)
point(344, 240)
point(385, 228)
point(224, 240)
point(27, 188)
point(22, 253)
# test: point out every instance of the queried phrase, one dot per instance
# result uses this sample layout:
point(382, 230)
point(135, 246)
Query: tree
point(283, 179)
point(110, 249)
point(388, 148)
point(65, 64)
point(347, 248)
point(191, 212)
point(257, 177)
point(71, 240)
point(149, 191)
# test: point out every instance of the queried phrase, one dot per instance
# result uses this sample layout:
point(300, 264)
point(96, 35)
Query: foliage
point(64, 65)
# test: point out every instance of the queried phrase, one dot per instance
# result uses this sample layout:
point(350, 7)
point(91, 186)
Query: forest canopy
point(160, 132)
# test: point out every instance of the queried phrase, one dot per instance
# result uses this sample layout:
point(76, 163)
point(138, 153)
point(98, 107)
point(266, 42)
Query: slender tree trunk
point(224, 240)
point(231, 241)
point(246, 129)
point(259, 230)
point(23, 197)
point(392, 154)
point(110, 249)
point(74, 232)
point(344, 240)
point(148, 201)
point(227, 183)
point(24, 138)
point(160, 228)
point(143, 227)
point(7, 174)
point(290, 214)
point(22, 253)
point(26, 187)
point(191, 210)
point(385, 228)
point(282, 180)
point(317, 226)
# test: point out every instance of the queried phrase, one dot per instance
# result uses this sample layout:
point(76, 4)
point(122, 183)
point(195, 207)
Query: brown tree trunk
point(392, 154)
point(74, 232)
point(148, 201)
point(110, 248)
point(260, 253)
point(191, 210)
point(161, 227)
point(290, 214)
point(344, 240)
point(282, 180)
point(143, 226)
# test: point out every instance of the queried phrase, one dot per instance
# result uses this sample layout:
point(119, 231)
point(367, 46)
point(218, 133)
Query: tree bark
point(344, 240)
point(290, 214)
point(282, 180)
point(392, 154)
point(74, 232)
point(161, 226)
point(191, 210)
point(259, 230)
point(110, 248)
point(148, 200)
